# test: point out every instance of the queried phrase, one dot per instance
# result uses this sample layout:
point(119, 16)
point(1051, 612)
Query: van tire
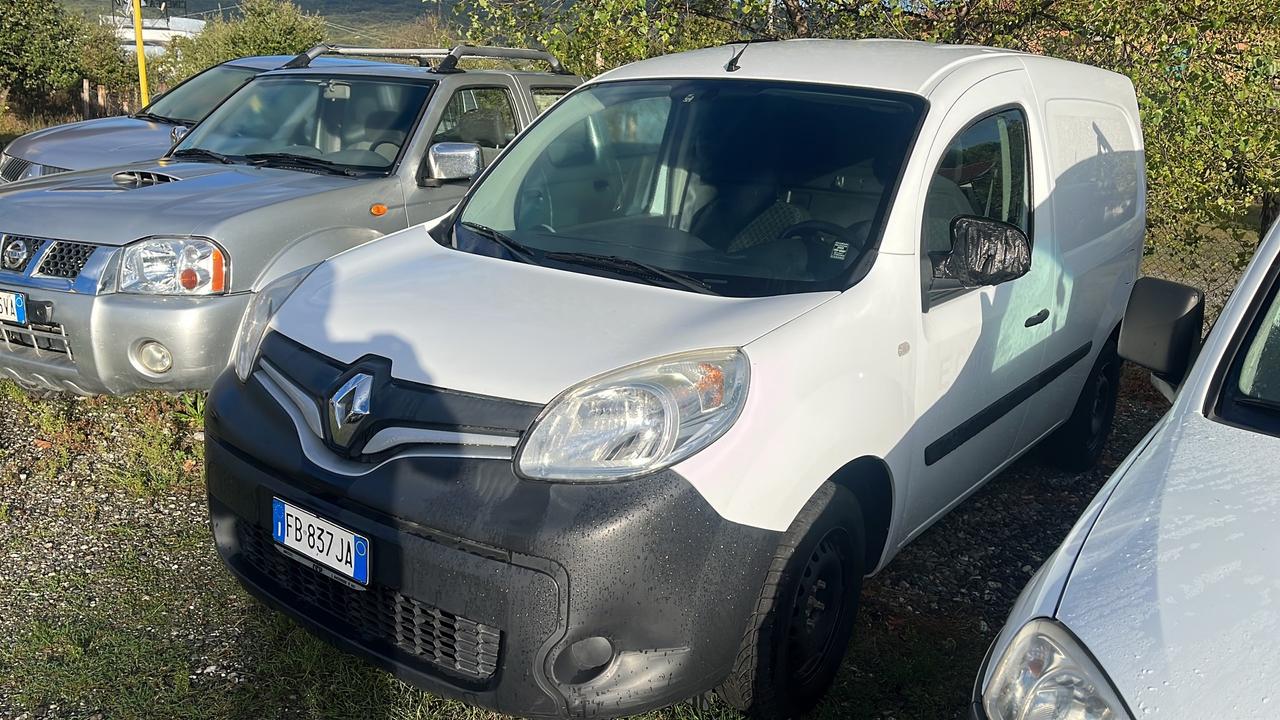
point(821, 557)
point(1077, 445)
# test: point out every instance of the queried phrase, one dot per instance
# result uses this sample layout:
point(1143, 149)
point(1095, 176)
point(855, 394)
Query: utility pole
point(142, 56)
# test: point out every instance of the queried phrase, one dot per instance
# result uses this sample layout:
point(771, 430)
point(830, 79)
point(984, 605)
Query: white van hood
point(503, 328)
point(1176, 590)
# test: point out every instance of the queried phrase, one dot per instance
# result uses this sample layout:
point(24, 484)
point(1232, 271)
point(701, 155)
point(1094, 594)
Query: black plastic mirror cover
point(1162, 327)
point(985, 252)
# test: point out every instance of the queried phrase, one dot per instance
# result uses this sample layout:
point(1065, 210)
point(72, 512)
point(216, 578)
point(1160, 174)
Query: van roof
point(897, 65)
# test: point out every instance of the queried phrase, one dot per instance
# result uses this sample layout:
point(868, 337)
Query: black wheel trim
point(818, 609)
point(1102, 409)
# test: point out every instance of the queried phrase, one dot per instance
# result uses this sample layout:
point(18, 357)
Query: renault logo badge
point(348, 407)
point(15, 254)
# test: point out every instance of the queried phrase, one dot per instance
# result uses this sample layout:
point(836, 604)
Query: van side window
point(483, 116)
point(984, 172)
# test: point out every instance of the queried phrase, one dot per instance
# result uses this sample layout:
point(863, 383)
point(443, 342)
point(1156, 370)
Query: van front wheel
point(803, 620)
point(1077, 445)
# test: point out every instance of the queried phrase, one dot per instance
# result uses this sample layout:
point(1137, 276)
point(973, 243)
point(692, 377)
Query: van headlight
point(1046, 674)
point(638, 419)
point(174, 266)
point(264, 306)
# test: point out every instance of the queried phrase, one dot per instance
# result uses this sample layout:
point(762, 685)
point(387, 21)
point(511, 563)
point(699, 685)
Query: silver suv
point(137, 277)
point(145, 135)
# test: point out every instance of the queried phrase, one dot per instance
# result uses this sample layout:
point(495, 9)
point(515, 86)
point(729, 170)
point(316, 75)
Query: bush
point(38, 51)
point(102, 60)
point(265, 27)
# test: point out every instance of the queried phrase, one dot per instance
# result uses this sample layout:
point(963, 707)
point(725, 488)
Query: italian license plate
point(13, 307)
point(327, 543)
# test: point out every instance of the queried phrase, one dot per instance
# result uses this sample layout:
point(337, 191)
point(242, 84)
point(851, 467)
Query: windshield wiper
point(634, 268)
point(513, 246)
point(1257, 402)
point(285, 160)
point(199, 152)
point(159, 118)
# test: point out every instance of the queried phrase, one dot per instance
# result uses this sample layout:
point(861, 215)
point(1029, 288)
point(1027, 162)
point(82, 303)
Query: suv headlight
point(174, 266)
point(264, 306)
point(1046, 674)
point(638, 419)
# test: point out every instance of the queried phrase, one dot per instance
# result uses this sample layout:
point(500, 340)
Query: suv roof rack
point(448, 58)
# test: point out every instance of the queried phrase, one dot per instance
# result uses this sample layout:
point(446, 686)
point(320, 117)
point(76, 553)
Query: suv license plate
point(327, 543)
point(13, 307)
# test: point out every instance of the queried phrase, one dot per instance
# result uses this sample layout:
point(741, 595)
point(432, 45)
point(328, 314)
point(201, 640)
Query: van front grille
point(450, 642)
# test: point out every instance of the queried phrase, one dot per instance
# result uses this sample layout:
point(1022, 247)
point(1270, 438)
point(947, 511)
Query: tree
point(38, 51)
point(102, 61)
point(265, 27)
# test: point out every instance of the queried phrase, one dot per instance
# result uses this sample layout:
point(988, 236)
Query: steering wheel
point(826, 242)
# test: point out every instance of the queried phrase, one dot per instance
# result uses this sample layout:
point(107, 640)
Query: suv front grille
point(451, 642)
point(51, 338)
point(65, 259)
point(12, 168)
point(32, 245)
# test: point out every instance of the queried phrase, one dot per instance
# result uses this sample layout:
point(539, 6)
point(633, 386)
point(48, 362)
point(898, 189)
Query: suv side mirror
point(452, 162)
point(1162, 327)
point(177, 133)
point(984, 252)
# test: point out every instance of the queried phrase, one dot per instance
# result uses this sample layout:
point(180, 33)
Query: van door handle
point(1038, 318)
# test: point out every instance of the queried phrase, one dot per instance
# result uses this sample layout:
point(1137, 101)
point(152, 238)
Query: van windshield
point(745, 188)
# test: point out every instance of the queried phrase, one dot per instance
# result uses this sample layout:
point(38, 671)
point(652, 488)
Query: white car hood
point(503, 328)
point(1177, 588)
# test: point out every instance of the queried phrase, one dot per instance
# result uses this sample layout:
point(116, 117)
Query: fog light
point(155, 357)
point(584, 660)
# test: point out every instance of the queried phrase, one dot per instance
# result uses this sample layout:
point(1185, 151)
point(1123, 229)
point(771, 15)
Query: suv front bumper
point(103, 334)
point(483, 585)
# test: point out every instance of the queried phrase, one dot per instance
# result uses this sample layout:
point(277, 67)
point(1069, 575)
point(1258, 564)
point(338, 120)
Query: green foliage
point(102, 61)
point(38, 50)
point(591, 36)
point(265, 27)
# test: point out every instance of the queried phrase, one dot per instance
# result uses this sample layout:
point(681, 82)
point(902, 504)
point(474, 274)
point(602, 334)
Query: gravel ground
point(117, 607)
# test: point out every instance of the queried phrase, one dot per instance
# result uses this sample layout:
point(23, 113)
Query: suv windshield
point(1251, 393)
point(745, 188)
point(309, 122)
point(194, 98)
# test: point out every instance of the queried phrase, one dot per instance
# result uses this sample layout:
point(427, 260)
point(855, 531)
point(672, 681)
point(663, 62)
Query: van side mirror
point(984, 252)
point(1162, 327)
point(451, 162)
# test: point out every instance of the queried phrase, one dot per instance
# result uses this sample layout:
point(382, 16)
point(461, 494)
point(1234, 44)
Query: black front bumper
point(482, 582)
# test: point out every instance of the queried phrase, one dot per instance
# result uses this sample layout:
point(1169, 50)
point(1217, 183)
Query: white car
point(1162, 601)
point(712, 340)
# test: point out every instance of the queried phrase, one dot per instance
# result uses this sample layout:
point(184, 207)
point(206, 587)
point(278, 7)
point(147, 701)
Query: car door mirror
point(177, 133)
point(1162, 327)
point(452, 162)
point(984, 252)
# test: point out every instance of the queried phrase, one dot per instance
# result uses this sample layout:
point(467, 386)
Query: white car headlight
point(638, 419)
point(264, 306)
point(174, 266)
point(1046, 674)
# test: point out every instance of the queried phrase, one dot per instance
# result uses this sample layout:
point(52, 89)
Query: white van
point(712, 340)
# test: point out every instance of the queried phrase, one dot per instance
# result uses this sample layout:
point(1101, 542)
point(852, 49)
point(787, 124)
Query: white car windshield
point(311, 122)
point(1251, 391)
point(741, 188)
